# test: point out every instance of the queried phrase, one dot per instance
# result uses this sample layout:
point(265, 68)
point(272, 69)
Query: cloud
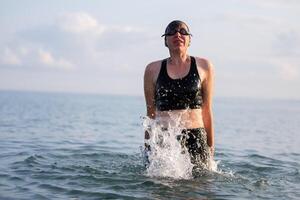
point(289, 72)
point(276, 3)
point(8, 57)
point(79, 22)
point(78, 37)
point(243, 19)
point(84, 23)
point(271, 4)
point(32, 58)
point(285, 54)
point(47, 59)
point(287, 43)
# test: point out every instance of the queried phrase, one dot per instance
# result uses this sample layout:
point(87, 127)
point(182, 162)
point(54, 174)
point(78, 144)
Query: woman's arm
point(207, 113)
point(149, 89)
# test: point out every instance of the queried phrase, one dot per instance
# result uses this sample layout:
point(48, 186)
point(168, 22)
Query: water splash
point(167, 157)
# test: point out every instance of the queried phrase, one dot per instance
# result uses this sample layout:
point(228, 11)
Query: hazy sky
point(104, 46)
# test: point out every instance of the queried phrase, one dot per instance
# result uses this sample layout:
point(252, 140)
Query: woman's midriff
point(188, 118)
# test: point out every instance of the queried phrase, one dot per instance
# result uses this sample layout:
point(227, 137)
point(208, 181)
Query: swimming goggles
point(182, 31)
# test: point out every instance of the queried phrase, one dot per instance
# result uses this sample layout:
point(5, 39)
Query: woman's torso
point(186, 119)
point(179, 101)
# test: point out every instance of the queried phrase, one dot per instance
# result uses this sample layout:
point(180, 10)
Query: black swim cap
point(173, 25)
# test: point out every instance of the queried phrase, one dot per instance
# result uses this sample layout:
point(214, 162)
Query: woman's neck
point(178, 59)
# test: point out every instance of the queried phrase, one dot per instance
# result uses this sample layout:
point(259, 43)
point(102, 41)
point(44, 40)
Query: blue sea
point(84, 146)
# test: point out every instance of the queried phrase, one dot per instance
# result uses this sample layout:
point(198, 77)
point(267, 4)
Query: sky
point(104, 46)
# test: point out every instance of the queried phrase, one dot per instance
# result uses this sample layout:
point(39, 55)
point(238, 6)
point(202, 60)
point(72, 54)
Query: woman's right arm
point(149, 90)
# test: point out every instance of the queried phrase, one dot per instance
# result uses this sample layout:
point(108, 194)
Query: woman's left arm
point(207, 113)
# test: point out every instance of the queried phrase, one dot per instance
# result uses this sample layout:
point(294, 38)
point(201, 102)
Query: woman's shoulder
point(153, 67)
point(205, 68)
point(204, 63)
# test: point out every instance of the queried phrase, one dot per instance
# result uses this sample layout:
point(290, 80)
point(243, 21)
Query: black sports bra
point(177, 94)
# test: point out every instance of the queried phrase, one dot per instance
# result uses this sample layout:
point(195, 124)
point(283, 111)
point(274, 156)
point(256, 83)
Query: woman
point(182, 86)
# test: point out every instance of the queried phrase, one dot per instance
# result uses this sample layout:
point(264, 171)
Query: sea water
point(79, 146)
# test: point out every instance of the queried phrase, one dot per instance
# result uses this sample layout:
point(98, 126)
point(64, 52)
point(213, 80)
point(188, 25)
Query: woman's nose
point(177, 33)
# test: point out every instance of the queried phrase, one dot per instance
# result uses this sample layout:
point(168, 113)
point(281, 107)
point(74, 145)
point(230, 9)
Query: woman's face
point(178, 38)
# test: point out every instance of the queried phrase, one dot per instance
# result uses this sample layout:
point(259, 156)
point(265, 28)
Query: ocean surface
point(79, 146)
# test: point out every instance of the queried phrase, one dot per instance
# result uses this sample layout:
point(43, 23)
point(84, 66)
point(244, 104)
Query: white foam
point(167, 157)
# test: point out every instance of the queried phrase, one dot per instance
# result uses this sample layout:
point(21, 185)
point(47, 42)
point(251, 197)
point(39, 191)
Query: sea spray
point(167, 157)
